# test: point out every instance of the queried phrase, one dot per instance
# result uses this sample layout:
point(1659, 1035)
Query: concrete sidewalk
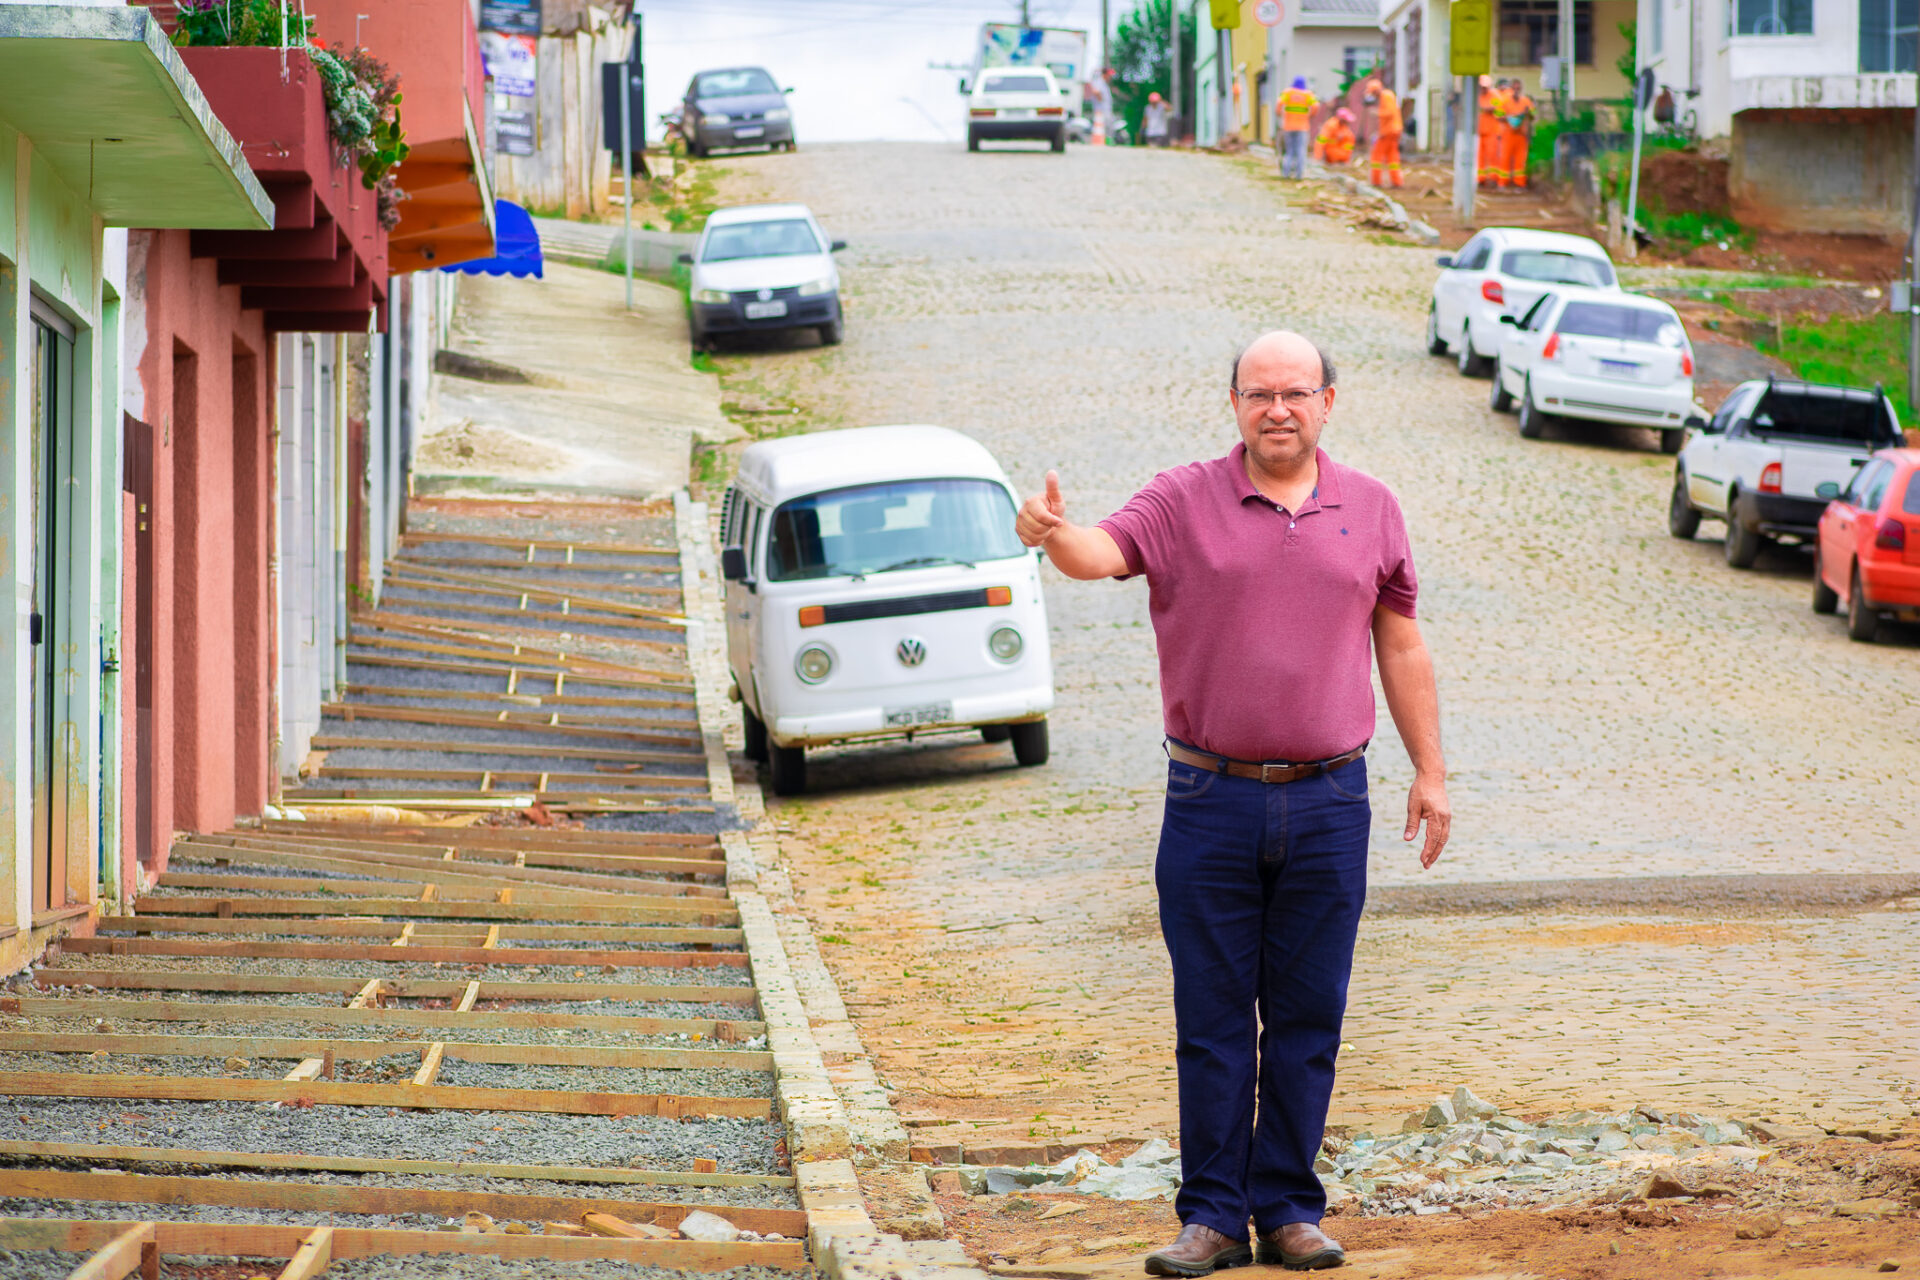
point(553, 384)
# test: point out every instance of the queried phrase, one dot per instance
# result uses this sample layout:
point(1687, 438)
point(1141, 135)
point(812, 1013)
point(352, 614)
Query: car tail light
point(980, 111)
point(1051, 111)
point(1891, 535)
point(1770, 478)
point(1492, 292)
point(999, 595)
point(1686, 364)
point(1552, 350)
point(813, 615)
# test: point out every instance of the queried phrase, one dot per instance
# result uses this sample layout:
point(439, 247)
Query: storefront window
point(1771, 17)
point(1888, 30)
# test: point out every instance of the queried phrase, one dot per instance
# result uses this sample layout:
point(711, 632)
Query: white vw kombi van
point(875, 588)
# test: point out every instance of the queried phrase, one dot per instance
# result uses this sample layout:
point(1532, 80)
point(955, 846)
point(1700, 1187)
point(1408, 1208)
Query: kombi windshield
point(877, 528)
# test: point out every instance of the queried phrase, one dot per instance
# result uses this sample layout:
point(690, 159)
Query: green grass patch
point(1853, 352)
point(1706, 281)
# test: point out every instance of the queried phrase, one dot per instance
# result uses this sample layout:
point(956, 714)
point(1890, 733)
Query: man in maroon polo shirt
point(1275, 577)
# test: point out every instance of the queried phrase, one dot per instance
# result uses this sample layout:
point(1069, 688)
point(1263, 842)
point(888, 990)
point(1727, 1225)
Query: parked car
point(876, 589)
point(1867, 549)
point(1012, 104)
point(1759, 464)
point(764, 267)
point(735, 107)
point(1596, 354)
point(1503, 271)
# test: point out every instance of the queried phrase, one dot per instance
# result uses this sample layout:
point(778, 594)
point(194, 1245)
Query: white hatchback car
point(760, 267)
point(876, 588)
point(1597, 354)
point(1009, 104)
point(1502, 271)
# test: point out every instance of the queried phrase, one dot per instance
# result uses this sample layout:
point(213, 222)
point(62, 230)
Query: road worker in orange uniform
point(1518, 118)
point(1493, 132)
point(1385, 156)
point(1295, 109)
point(1334, 143)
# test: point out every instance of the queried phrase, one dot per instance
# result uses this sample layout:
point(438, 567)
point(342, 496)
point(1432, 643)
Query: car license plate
point(1016, 113)
point(765, 310)
point(753, 132)
point(1620, 368)
point(928, 713)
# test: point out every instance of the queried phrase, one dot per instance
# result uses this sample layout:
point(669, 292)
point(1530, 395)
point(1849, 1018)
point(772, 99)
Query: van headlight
point(813, 664)
point(814, 288)
point(1005, 644)
point(712, 296)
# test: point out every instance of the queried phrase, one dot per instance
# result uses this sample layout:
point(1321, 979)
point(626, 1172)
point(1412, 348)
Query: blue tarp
point(516, 246)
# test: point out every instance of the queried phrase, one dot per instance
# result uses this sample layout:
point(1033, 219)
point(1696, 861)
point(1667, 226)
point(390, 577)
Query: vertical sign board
point(511, 17)
point(1471, 23)
point(512, 63)
point(513, 133)
point(611, 76)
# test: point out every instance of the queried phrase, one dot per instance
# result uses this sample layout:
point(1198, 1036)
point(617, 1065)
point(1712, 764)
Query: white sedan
point(1503, 271)
point(1601, 355)
point(1013, 104)
point(760, 267)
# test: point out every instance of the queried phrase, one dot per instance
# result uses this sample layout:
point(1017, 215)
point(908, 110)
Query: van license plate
point(765, 310)
point(929, 713)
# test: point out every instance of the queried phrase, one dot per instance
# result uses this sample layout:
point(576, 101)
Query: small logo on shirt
point(1343, 533)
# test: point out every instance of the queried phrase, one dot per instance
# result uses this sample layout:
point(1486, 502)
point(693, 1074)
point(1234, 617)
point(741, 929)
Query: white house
point(1816, 98)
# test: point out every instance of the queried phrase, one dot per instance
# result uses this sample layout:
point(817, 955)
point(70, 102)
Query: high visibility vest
point(1492, 107)
point(1389, 114)
point(1517, 109)
point(1296, 107)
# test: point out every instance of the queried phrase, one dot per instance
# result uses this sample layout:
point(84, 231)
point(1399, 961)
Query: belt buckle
point(1267, 771)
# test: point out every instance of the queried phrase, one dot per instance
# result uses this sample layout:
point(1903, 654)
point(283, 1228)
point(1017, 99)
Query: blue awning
point(516, 246)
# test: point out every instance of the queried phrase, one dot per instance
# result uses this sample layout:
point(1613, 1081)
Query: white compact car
point(760, 267)
point(875, 589)
point(1009, 104)
point(1601, 355)
point(1503, 271)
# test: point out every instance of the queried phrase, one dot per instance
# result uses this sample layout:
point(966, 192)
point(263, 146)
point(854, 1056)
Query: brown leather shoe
point(1198, 1251)
point(1300, 1246)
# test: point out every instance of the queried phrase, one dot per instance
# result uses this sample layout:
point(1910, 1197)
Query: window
point(1475, 255)
point(1888, 30)
point(1821, 416)
point(1390, 63)
point(733, 84)
point(1553, 267)
point(881, 527)
point(1876, 485)
point(1629, 324)
point(1530, 31)
point(1657, 29)
point(1771, 17)
point(1536, 317)
point(1358, 58)
point(1911, 504)
point(1028, 83)
point(786, 238)
point(1413, 48)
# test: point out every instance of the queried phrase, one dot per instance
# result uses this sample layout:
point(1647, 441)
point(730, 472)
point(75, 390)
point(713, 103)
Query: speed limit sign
point(1267, 13)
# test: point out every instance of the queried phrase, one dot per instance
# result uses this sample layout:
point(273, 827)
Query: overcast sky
point(858, 68)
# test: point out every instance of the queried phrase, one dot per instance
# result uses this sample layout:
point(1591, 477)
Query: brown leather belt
point(1271, 774)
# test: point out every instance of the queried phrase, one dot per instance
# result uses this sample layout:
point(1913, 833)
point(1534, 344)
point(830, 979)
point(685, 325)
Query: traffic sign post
point(1268, 13)
point(1470, 56)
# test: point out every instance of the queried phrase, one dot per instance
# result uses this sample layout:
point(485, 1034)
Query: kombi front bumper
point(1001, 706)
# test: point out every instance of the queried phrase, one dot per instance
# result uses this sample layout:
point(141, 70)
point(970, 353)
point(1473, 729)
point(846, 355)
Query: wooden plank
point(260, 1239)
point(535, 704)
point(485, 953)
point(503, 837)
point(647, 862)
point(303, 1161)
point(538, 781)
point(430, 1062)
point(567, 1055)
point(575, 604)
point(423, 538)
point(195, 913)
point(437, 800)
point(437, 1097)
point(122, 1255)
point(519, 750)
point(495, 669)
point(272, 851)
point(312, 1257)
point(605, 1224)
point(332, 1015)
point(668, 896)
point(468, 998)
point(407, 933)
point(398, 988)
point(520, 569)
point(315, 1197)
point(548, 723)
point(459, 638)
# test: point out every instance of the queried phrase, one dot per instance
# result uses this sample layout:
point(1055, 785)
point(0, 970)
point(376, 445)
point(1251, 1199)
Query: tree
point(1140, 65)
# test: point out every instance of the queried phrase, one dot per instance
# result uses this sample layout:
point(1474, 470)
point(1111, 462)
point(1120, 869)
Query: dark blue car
point(735, 107)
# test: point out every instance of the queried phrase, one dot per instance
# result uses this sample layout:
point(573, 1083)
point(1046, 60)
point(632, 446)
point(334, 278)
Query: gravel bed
point(577, 626)
point(458, 1267)
point(292, 929)
point(530, 684)
point(199, 864)
point(634, 1142)
point(723, 818)
point(425, 971)
point(635, 1008)
point(508, 734)
point(695, 1082)
point(293, 1027)
point(277, 999)
point(210, 1213)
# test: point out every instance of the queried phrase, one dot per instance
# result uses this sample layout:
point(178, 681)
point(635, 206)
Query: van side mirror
point(1444, 260)
point(733, 564)
point(1826, 489)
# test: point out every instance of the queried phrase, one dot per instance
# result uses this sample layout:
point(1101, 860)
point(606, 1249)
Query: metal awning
point(516, 246)
point(108, 104)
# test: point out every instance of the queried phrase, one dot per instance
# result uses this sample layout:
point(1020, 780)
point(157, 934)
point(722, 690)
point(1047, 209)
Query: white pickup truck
point(1758, 463)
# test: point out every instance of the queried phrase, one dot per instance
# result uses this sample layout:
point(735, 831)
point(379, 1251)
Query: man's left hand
point(1427, 802)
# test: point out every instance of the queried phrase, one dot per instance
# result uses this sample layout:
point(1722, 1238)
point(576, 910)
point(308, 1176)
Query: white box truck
point(1059, 50)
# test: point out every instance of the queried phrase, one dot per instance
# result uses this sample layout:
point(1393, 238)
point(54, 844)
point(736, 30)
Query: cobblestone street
point(1624, 714)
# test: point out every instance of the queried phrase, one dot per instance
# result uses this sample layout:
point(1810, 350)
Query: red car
point(1867, 552)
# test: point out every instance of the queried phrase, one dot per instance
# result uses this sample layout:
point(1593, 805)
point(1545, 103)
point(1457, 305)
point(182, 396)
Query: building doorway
point(51, 444)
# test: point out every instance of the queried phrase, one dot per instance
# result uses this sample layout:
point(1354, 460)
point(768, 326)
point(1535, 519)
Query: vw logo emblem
point(911, 652)
point(766, 295)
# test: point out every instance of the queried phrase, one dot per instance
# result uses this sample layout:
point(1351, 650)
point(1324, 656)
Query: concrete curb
point(706, 643)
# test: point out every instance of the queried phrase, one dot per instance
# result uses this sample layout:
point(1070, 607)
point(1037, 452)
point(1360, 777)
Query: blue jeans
point(1293, 155)
point(1261, 888)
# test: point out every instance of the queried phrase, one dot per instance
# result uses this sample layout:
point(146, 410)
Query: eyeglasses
point(1260, 400)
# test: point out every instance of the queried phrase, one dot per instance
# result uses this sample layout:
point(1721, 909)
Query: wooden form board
point(541, 782)
point(411, 954)
point(135, 1249)
point(396, 988)
point(140, 1188)
point(270, 1240)
point(355, 1164)
point(704, 917)
point(521, 750)
point(557, 1055)
point(670, 897)
point(641, 859)
point(551, 723)
point(530, 546)
point(497, 837)
point(537, 707)
point(445, 933)
point(574, 603)
point(589, 1024)
point(462, 638)
point(433, 1097)
point(491, 668)
point(396, 866)
point(440, 799)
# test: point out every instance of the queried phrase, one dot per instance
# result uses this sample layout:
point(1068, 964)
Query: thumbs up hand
point(1042, 514)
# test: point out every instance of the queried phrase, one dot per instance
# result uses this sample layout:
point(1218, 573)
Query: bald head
point(1286, 348)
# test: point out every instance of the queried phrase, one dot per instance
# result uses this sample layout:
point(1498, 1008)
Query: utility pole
point(1026, 13)
point(1106, 58)
point(1173, 62)
point(1913, 279)
point(1566, 57)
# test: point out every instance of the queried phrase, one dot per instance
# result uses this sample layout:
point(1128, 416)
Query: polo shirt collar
point(1326, 491)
